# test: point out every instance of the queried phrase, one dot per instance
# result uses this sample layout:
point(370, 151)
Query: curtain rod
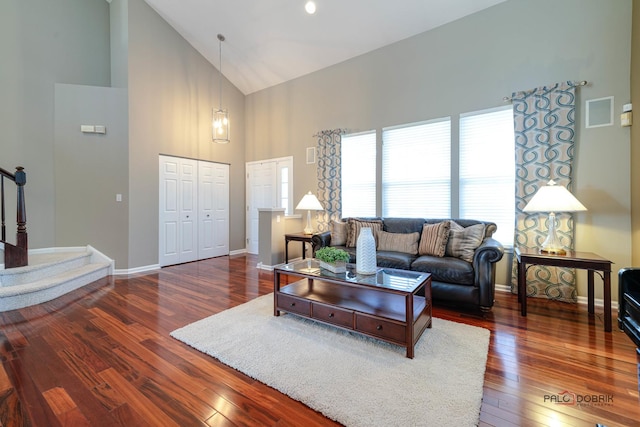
point(573, 83)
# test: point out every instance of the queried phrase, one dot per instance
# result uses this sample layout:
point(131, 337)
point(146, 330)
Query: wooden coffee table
point(385, 305)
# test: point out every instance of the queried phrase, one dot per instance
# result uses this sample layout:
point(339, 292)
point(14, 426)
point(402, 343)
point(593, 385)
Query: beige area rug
point(351, 379)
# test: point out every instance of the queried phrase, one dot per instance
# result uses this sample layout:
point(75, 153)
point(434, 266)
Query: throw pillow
point(434, 239)
point(338, 233)
point(354, 229)
point(398, 242)
point(463, 242)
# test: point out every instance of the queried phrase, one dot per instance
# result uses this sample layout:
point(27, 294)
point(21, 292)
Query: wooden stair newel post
point(21, 234)
point(18, 255)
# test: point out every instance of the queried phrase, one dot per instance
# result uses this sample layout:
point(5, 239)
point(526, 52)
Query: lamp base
point(308, 229)
point(552, 244)
point(553, 251)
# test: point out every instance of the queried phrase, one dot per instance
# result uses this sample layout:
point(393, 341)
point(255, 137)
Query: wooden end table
point(297, 237)
point(580, 260)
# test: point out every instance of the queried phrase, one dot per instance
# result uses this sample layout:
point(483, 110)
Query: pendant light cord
point(220, 40)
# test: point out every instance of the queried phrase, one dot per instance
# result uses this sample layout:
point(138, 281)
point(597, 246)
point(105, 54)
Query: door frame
point(280, 163)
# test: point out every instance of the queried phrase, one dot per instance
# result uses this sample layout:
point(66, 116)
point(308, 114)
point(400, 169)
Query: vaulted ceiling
point(269, 42)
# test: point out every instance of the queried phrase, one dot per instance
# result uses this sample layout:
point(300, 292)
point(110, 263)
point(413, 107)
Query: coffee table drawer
point(381, 328)
point(333, 315)
point(294, 305)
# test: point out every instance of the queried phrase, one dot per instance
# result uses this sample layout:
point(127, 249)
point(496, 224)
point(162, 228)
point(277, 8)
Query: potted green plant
point(332, 259)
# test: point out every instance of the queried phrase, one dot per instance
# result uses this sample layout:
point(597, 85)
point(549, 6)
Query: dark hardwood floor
point(102, 356)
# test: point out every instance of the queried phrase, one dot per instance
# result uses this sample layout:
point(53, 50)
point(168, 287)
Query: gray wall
point(42, 43)
point(91, 169)
point(172, 90)
point(469, 65)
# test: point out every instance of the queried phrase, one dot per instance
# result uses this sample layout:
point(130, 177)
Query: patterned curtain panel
point(329, 177)
point(544, 121)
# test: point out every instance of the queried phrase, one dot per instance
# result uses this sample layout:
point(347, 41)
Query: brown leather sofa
point(454, 281)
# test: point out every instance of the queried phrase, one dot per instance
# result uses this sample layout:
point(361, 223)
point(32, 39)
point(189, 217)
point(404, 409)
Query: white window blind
point(358, 158)
point(487, 169)
point(416, 170)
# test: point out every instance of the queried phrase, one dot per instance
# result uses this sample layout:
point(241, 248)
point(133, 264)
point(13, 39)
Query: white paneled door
point(261, 193)
point(213, 189)
point(193, 210)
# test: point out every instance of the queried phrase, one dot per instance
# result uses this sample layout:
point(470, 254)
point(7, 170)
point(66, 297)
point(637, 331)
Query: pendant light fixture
point(220, 124)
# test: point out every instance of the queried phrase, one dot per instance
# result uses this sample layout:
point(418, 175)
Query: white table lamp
point(309, 203)
point(553, 198)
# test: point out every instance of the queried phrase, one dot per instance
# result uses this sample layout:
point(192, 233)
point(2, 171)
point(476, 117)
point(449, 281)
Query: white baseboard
point(143, 269)
point(261, 266)
point(581, 299)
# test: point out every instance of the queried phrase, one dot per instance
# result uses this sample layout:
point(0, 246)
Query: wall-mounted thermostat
point(626, 118)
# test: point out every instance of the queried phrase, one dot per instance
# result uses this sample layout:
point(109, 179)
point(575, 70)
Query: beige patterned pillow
point(463, 242)
point(398, 242)
point(434, 238)
point(338, 233)
point(354, 229)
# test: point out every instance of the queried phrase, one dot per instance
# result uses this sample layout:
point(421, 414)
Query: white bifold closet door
point(213, 211)
point(193, 210)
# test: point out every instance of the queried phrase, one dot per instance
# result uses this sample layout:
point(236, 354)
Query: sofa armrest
point(321, 240)
point(628, 280)
point(484, 266)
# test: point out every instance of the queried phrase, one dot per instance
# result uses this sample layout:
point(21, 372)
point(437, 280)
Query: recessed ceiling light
point(310, 7)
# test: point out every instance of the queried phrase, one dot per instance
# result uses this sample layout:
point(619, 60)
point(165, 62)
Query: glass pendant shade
point(220, 122)
point(220, 126)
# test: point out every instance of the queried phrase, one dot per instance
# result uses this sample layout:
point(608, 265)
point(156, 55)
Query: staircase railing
point(15, 255)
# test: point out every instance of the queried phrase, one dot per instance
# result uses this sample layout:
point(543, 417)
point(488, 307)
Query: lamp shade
point(310, 203)
point(554, 198)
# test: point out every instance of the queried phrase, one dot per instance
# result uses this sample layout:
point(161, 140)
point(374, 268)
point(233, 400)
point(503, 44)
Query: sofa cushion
point(403, 225)
point(463, 241)
point(445, 269)
point(391, 259)
point(398, 242)
point(339, 233)
point(434, 238)
point(355, 225)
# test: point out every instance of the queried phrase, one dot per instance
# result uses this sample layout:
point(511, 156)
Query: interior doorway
point(269, 185)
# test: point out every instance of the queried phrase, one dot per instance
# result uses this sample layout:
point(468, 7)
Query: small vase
point(366, 252)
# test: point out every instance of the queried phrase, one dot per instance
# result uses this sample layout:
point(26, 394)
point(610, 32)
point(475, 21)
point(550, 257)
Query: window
point(284, 188)
point(487, 169)
point(358, 167)
point(416, 170)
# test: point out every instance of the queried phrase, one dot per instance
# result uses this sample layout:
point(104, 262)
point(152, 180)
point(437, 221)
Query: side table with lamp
point(550, 199)
point(309, 203)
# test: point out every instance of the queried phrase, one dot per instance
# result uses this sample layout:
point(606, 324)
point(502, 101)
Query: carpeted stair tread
point(52, 281)
point(45, 260)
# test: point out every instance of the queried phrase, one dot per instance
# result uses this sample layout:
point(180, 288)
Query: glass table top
point(387, 278)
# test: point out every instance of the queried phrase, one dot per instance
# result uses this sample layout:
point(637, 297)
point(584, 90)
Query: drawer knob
point(293, 304)
point(331, 315)
point(379, 327)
